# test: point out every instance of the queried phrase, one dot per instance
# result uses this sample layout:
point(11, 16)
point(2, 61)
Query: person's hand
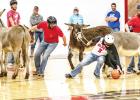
point(118, 68)
point(107, 19)
point(32, 42)
point(31, 30)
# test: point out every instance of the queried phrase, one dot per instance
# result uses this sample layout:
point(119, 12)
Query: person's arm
point(61, 34)
point(130, 24)
point(127, 27)
point(117, 59)
point(11, 21)
point(113, 19)
point(33, 28)
point(107, 19)
point(64, 40)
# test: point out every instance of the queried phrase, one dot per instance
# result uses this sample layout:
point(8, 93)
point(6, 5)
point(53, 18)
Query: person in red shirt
point(134, 23)
point(51, 34)
point(13, 19)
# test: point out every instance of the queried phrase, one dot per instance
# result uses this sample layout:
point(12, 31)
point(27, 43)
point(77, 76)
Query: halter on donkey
point(80, 36)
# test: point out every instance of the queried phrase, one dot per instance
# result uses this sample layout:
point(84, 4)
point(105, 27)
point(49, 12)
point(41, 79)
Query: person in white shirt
point(97, 54)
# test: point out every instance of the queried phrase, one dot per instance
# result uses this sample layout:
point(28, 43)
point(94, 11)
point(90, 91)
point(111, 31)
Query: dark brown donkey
point(79, 37)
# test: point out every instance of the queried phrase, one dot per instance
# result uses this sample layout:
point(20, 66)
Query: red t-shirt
point(50, 35)
point(135, 23)
point(15, 16)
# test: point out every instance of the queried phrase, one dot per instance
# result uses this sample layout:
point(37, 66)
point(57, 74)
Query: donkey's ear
point(69, 24)
point(85, 26)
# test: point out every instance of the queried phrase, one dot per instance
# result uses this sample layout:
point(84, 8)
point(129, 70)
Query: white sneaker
point(9, 64)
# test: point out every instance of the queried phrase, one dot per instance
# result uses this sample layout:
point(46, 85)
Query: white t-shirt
point(100, 48)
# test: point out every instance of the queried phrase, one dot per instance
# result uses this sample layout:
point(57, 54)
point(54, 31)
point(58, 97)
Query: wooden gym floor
point(55, 86)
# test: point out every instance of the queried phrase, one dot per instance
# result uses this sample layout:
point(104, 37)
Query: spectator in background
point(113, 17)
point(134, 23)
point(76, 18)
point(34, 20)
point(13, 19)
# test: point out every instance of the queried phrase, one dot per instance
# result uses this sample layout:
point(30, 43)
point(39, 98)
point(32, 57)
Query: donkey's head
point(76, 27)
point(76, 33)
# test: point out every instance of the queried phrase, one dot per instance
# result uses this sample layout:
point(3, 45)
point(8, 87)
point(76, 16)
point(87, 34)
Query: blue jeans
point(10, 58)
point(38, 35)
point(46, 49)
point(86, 61)
point(132, 64)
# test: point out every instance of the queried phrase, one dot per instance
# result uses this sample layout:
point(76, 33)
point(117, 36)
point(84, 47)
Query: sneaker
point(97, 76)
point(41, 75)
point(68, 76)
point(35, 73)
point(9, 64)
point(131, 71)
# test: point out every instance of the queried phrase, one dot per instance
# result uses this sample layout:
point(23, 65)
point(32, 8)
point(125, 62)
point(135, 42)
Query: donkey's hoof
point(5, 74)
point(1, 75)
point(14, 76)
point(27, 76)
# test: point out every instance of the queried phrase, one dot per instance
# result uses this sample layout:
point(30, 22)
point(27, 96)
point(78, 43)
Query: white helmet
point(109, 39)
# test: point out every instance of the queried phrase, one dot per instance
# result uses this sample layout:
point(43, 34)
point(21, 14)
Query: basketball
point(115, 74)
